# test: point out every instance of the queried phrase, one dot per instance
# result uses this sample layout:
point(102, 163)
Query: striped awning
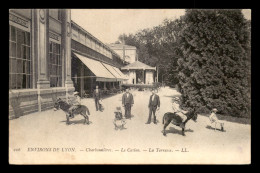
point(101, 73)
point(114, 72)
point(120, 73)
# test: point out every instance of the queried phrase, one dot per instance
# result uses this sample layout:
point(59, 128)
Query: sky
point(108, 24)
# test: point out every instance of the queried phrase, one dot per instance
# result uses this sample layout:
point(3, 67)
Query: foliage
point(207, 53)
point(215, 65)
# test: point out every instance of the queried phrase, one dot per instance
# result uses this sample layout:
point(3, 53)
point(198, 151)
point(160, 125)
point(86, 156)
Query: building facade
point(51, 56)
point(126, 52)
point(139, 73)
point(39, 59)
point(93, 63)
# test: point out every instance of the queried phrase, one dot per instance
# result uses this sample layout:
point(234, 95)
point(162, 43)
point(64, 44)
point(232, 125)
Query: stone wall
point(23, 102)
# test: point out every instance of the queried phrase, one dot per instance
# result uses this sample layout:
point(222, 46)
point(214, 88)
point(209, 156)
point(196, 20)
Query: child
point(101, 107)
point(119, 122)
point(118, 113)
point(176, 108)
point(213, 119)
point(75, 102)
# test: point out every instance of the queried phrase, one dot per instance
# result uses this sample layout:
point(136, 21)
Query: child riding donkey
point(178, 110)
point(75, 102)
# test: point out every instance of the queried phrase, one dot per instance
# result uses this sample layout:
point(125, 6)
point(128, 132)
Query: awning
point(120, 73)
point(102, 74)
point(113, 71)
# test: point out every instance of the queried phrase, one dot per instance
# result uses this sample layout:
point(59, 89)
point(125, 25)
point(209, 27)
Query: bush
point(215, 64)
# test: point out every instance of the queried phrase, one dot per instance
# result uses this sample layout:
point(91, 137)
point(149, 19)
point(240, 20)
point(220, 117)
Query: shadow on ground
point(211, 128)
point(176, 131)
point(120, 128)
point(172, 96)
point(246, 121)
point(76, 121)
point(132, 116)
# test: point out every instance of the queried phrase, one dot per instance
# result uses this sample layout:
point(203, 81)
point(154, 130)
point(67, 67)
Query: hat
point(76, 93)
point(118, 109)
point(214, 109)
point(176, 98)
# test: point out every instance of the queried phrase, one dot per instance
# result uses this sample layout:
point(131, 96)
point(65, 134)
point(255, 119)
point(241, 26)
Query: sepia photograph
point(129, 86)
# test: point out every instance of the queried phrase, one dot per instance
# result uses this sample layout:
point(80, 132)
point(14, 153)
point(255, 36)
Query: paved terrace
point(49, 129)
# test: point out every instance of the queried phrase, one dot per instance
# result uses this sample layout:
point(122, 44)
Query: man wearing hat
point(178, 110)
point(127, 103)
point(154, 103)
point(214, 119)
point(97, 97)
point(76, 102)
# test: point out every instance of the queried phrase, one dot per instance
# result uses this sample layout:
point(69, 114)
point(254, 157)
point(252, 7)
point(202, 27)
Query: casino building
point(51, 56)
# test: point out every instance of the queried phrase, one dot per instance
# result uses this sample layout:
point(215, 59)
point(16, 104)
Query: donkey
point(177, 120)
point(82, 109)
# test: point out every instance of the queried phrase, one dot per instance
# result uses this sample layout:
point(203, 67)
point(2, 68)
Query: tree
point(214, 66)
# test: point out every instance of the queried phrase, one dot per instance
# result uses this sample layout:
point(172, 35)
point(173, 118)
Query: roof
point(94, 38)
point(138, 65)
point(120, 46)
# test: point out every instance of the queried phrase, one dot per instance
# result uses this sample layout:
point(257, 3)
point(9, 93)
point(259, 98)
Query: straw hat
point(118, 109)
point(176, 98)
point(214, 110)
point(76, 93)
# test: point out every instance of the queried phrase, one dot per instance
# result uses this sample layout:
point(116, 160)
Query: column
point(41, 51)
point(91, 84)
point(66, 45)
point(41, 46)
point(135, 76)
point(81, 79)
point(143, 77)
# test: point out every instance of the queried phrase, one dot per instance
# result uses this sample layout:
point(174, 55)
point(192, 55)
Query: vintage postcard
point(129, 86)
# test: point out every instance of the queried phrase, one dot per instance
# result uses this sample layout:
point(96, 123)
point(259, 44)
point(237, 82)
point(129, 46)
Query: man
point(127, 103)
point(76, 102)
point(97, 97)
point(154, 102)
point(178, 110)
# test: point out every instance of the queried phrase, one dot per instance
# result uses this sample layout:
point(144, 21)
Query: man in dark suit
point(154, 102)
point(127, 103)
point(97, 97)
